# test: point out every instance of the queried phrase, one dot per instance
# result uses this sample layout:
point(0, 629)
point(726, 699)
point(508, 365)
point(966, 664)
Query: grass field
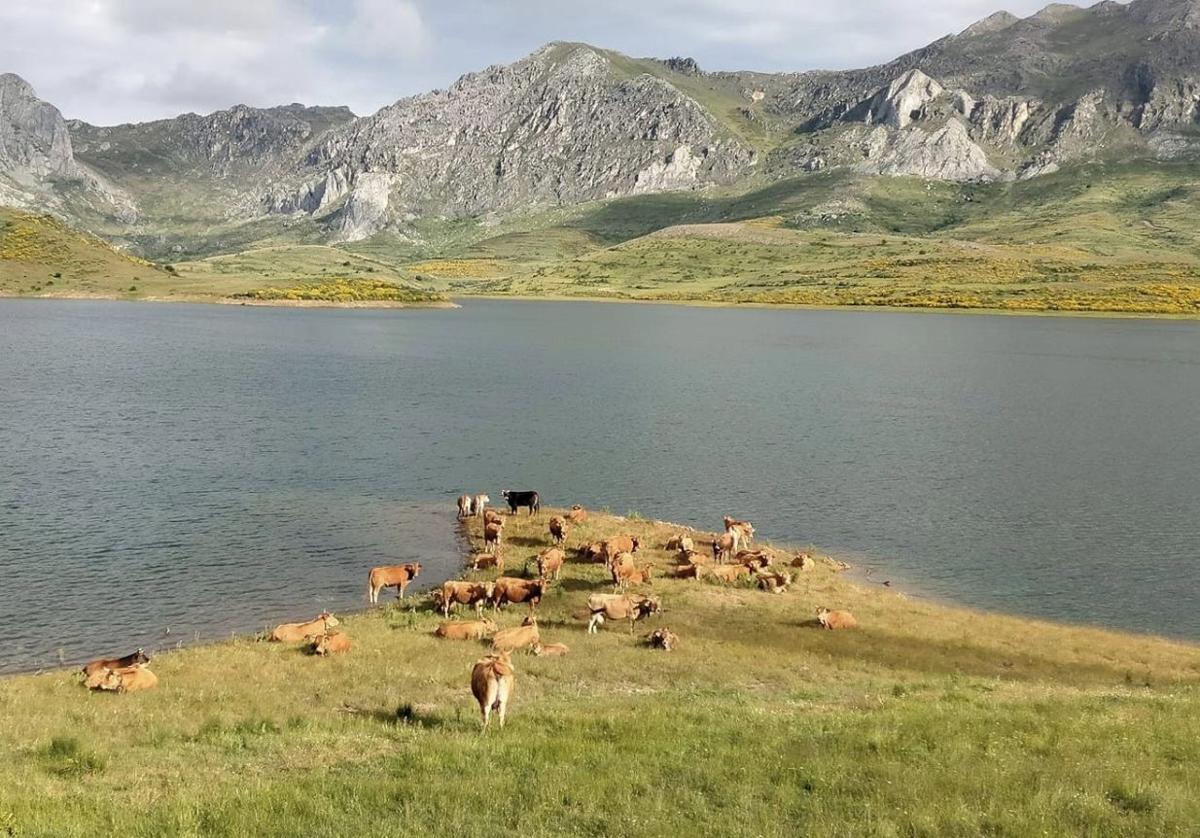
point(928, 720)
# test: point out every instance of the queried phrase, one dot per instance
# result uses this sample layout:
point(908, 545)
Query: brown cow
point(491, 516)
point(550, 562)
point(620, 544)
point(728, 572)
point(742, 532)
point(457, 592)
point(689, 571)
point(491, 537)
point(631, 607)
point(558, 530)
point(836, 619)
point(626, 574)
point(465, 629)
point(577, 515)
point(803, 561)
point(511, 639)
point(753, 559)
point(299, 632)
point(723, 547)
point(593, 552)
point(662, 638)
point(391, 576)
point(552, 650)
point(492, 680)
point(511, 589)
point(128, 680)
point(335, 643)
point(680, 543)
point(774, 581)
point(483, 561)
point(138, 658)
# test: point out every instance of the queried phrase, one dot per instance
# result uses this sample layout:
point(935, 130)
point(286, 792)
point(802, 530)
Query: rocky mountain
point(1004, 99)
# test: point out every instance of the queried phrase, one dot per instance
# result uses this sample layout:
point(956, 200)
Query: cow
point(464, 506)
point(138, 658)
point(390, 576)
point(299, 632)
point(619, 544)
point(511, 639)
point(479, 505)
point(728, 572)
point(803, 561)
point(723, 547)
point(128, 680)
point(518, 499)
point(631, 607)
point(511, 589)
point(577, 515)
point(491, 516)
point(626, 573)
point(483, 561)
point(456, 592)
point(492, 681)
point(593, 552)
point(755, 560)
point(465, 629)
point(680, 543)
point(742, 532)
point(775, 582)
point(335, 643)
point(491, 537)
point(662, 638)
point(552, 650)
point(558, 530)
point(689, 571)
point(835, 619)
point(550, 562)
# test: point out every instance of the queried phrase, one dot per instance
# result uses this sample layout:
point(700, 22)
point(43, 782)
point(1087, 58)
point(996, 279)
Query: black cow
point(518, 499)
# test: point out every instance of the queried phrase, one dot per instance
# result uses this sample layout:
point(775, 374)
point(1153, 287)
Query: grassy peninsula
point(927, 720)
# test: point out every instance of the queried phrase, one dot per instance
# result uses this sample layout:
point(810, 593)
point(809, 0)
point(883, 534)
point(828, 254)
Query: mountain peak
point(994, 22)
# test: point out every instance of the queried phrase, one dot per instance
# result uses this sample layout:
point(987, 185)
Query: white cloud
point(122, 60)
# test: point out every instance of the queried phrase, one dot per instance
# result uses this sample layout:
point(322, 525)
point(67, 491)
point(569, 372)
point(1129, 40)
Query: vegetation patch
point(344, 290)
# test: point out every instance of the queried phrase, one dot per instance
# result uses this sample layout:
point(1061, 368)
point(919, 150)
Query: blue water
point(173, 472)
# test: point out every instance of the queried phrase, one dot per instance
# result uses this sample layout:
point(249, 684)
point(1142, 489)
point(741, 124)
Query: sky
point(113, 61)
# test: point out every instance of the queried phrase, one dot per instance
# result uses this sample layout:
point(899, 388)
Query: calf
point(391, 576)
point(631, 607)
point(553, 650)
point(836, 619)
point(465, 630)
point(491, 537)
point(138, 658)
point(492, 680)
point(662, 638)
point(550, 562)
point(511, 589)
point(299, 632)
point(728, 572)
point(511, 639)
point(336, 643)
point(558, 530)
point(472, 594)
point(482, 561)
point(518, 499)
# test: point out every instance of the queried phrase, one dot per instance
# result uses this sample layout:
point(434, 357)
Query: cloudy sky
point(110, 61)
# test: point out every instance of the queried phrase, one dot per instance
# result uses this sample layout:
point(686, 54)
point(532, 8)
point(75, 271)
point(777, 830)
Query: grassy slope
point(928, 720)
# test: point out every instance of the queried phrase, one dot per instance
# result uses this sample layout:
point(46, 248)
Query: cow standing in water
point(518, 499)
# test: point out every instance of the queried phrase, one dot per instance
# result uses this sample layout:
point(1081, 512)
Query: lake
point(171, 472)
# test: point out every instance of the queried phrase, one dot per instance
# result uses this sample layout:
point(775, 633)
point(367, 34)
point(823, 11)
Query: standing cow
point(518, 499)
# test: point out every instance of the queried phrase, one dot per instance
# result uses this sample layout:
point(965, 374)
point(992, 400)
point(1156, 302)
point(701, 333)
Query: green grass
point(929, 720)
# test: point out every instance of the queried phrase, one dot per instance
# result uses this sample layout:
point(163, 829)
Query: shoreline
point(454, 301)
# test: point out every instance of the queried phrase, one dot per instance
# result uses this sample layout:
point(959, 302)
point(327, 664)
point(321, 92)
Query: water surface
point(169, 472)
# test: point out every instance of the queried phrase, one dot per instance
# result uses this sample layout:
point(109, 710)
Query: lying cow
point(465, 629)
point(518, 499)
point(728, 572)
point(662, 638)
point(836, 619)
point(631, 607)
point(773, 581)
point(472, 594)
point(753, 559)
point(577, 515)
point(391, 576)
point(335, 643)
point(300, 632)
point(128, 680)
point(511, 639)
point(680, 543)
point(593, 552)
point(138, 658)
point(483, 561)
point(508, 589)
point(552, 650)
point(625, 574)
point(492, 680)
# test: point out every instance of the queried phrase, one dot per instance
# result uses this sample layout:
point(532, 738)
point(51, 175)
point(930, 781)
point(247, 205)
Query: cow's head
point(636, 543)
point(529, 621)
point(140, 658)
point(505, 493)
point(483, 499)
point(414, 568)
point(329, 620)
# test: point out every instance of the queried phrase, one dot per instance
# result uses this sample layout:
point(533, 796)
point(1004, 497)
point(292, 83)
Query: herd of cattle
point(493, 676)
